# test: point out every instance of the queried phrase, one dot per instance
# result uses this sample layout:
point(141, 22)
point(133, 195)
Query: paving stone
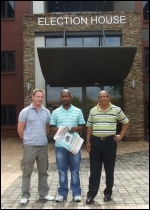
point(131, 186)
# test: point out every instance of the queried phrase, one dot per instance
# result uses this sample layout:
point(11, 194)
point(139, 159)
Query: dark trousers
point(102, 151)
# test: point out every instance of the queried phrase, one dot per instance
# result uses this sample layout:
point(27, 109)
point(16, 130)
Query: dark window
point(88, 6)
point(105, 6)
point(146, 61)
point(55, 6)
point(7, 9)
point(7, 61)
point(8, 115)
point(72, 6)
point(80, 6)
point(145, 10)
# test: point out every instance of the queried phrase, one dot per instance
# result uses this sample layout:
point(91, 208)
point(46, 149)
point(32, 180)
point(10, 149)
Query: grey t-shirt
point(35, 129)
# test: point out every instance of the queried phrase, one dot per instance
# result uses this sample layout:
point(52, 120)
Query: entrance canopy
point(85, 66)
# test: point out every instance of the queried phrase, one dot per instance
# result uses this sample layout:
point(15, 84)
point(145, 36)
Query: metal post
point(64, 43)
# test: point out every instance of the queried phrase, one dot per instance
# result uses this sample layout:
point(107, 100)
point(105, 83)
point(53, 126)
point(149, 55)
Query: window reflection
point(54, 42)
point(76, 96)
point(74, 42)
point(53, 97)
point(91, 41)
point(92, 92)
point(111, 41)
point(82, 40)
point(115, 94)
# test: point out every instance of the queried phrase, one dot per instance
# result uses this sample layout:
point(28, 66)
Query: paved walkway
point(131, 187)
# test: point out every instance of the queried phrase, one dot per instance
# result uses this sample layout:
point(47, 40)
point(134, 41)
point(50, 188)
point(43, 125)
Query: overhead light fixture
point(96, 83)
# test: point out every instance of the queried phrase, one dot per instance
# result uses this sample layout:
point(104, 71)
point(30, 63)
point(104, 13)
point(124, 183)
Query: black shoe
point(89, 200)
point(107, 198)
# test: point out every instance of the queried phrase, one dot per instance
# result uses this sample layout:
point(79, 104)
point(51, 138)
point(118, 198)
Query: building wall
point(12, 89)
point(131, 36)
point(39, 79)
point(13, 86)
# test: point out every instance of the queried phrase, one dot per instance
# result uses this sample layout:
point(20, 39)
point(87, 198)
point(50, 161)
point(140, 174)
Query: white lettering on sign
point(81, 20)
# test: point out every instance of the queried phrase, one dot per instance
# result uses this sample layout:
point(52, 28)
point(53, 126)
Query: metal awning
point(85, 66)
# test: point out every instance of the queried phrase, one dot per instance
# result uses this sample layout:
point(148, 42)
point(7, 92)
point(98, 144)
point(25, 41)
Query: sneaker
point(59, 198)
point(77, 198)
point(48, 198)
point(23, 200)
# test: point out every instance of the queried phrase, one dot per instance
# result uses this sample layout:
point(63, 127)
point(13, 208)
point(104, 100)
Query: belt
point(104, 137)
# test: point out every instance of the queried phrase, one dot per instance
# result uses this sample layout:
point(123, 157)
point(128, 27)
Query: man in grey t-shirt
point(33, 126)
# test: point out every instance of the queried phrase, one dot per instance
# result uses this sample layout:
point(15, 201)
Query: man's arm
point(20, 129)
point(53, 128)
point(47, 128)
point(77, 129)
point(88, 137)
point(124, 129)
point(122, 132)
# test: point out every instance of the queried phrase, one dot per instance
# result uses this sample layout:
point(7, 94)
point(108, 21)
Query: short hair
point(107, 93)
point(38, 90)
point(66, 91)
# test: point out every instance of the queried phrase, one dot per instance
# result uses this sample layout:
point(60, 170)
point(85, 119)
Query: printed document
point(71, 141)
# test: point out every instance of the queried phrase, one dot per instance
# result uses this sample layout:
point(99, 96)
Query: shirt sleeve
point(53, 120)
point(89, 121)
point(122, 117)
point(48, 116)
point(81, 119)
point(22, 116)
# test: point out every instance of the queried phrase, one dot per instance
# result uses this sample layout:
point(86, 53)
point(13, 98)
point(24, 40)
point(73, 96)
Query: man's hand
point(88, 147)
point(73, 129)
point(117, 138)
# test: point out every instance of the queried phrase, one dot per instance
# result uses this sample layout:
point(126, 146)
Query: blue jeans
point(66, 160)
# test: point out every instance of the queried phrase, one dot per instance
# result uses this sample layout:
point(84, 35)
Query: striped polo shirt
point(105, 123)
point(71, 117)
point(35, 129)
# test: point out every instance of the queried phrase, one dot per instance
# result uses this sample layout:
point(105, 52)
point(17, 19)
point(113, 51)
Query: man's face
point(38, 98)
point(66, 98)
point(103, 98)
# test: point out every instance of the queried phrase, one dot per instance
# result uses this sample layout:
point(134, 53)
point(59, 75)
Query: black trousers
point(102, 152)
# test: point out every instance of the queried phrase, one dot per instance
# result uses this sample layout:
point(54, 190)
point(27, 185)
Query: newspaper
point(71, 141)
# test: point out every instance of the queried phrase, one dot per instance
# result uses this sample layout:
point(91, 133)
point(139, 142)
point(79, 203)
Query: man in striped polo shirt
point(101, 143)
point(67, 115)
point(33, 126)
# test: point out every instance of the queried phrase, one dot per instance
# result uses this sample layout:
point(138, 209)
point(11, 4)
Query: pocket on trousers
point(22, 165)
point(26, 167)
point(48, 166)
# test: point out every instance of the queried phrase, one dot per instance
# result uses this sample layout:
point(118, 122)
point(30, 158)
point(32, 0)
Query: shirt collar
point(70, 109)
point(31, 106)
point(110, 106)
